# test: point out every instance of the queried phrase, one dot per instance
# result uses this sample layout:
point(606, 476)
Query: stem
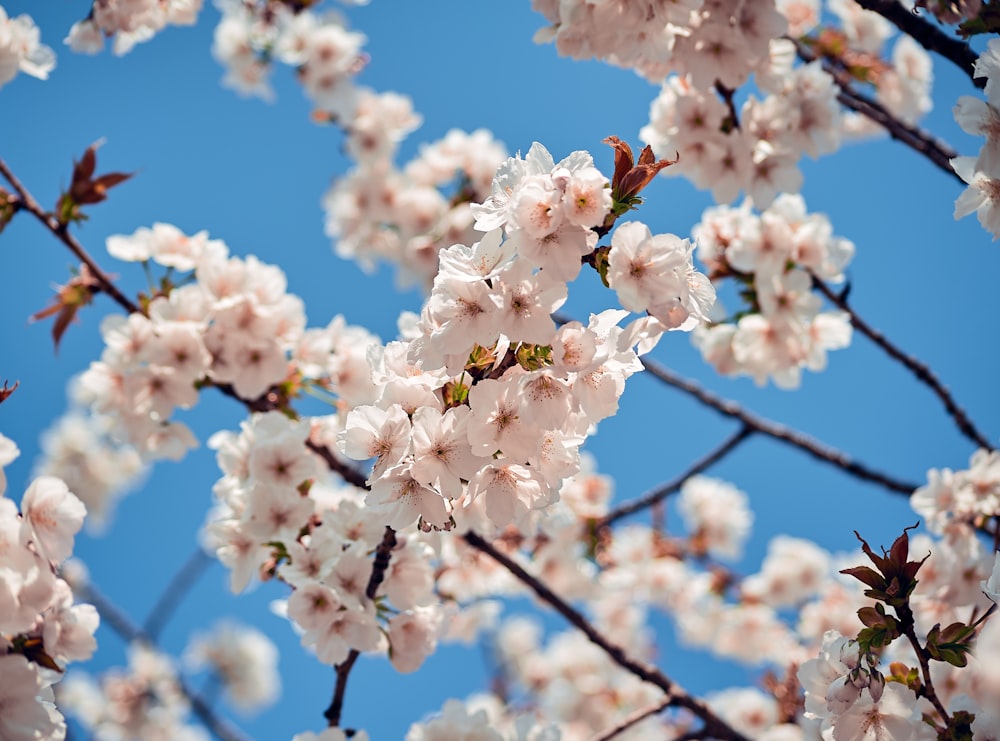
point(175, 592)
point(350, 474)
point(727, 96)
point(927, 689)
point(796, 439)
point(927, 35)
point(661, 492)
point(28, 203)
point(343, 670)
point(917, 139)
point(638, 715)
point(676, 696)
point(920, 370)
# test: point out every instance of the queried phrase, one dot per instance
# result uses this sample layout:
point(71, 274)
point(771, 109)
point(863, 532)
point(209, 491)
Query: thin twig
point(28, 203)
point(676, 696)
point(774, 430)
point(639, 715)
point(920, 370)
point(175, 592)
point(917, 139)
point(906, 620)
point(114, 617)
point(661, 492)
point(927, 35)
point(343, 670)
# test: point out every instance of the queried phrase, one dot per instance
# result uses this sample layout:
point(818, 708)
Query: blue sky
point(253, 174)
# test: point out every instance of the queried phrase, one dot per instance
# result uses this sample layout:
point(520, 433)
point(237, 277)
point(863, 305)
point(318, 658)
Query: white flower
point(982, 195)
point(26, 708)
point(244, 658)
point(8, 452)
point(20, 49)
point(991, 587)
point(895, 717)
point(54, 514)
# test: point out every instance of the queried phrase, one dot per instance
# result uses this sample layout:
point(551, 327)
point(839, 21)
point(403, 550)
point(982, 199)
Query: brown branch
point(28, 203)
point(796, 439)
point(919, 369)
point(661, 492)
point(639, 715)
point(923, 656)
point(119, 622)
point(343, 670)
point(732, 121)
point(927, 35)
point(917, 139)
point(676, 696)
point(350, 474)
point(174, 592)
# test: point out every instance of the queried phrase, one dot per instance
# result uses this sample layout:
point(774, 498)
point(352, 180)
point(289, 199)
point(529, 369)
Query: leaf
point(85, 189)
point(70, 298)
point(6, 391)
point(867, 576)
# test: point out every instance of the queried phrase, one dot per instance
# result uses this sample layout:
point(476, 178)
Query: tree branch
point(639, 715)
point(350, 474)
point(661, 492)
point(920, 370)
point(119, 622)
point(343, 670)
point(796, 439)
point(676, 696)
point(28, 203)
point(917, 139)
point(174, 592)
point(927, 35)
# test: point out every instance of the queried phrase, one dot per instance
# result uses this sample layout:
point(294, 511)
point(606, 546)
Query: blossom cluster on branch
point(42, 627)
point(447, 475)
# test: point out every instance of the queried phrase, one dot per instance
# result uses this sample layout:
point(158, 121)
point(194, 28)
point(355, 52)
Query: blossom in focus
point(26, 708)
point(983, 194)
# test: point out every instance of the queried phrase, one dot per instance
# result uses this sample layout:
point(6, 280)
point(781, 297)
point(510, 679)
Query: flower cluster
point(21, 50)
point(773, 257)
point(958, 501)
point(130, 22)
point(234, 326)
point(480, 718)
point(704, 50)
point(799, 114)
point(251, 36)
point(851, 698)
point(707, 39)
point(244, 660)
point(982, 172)
point(143, 701)
point(489, 392)
point(379, 212)
point(278, 515)
point(41, 628)
point(80, 449)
